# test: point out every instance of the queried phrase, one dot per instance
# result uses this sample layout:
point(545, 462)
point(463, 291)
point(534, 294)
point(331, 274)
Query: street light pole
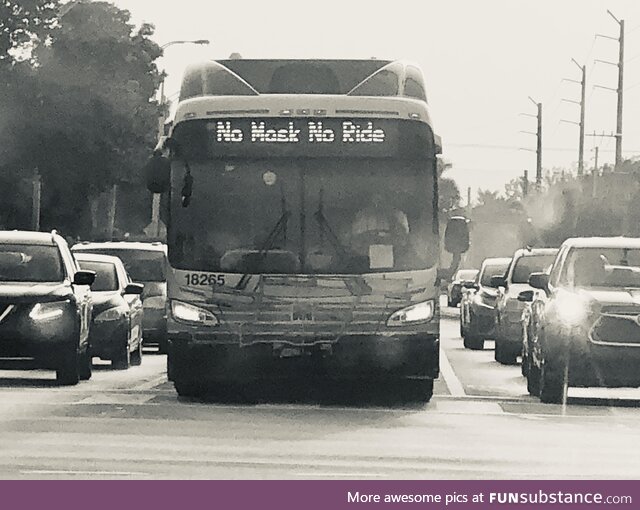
point(155, 206)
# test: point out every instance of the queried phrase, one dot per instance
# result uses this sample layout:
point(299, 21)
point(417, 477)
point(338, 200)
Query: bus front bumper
point(408, 356)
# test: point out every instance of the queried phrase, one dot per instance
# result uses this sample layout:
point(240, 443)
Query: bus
point(302, 226)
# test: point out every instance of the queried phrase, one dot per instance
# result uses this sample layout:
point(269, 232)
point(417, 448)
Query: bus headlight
point(420, 312)
point(191, 314)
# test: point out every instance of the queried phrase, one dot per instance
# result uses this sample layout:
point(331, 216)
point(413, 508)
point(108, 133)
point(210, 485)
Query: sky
point(482, 59)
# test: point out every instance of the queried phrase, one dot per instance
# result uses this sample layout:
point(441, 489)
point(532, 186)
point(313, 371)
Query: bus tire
point(419, 390)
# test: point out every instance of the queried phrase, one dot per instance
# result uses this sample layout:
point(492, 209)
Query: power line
point(515, 147)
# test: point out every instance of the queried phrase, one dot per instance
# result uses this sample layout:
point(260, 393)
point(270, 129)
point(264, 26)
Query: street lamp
point(154, 227)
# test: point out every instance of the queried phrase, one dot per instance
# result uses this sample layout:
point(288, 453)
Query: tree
point(24, 23)
point(84, 116)
point(449, 198)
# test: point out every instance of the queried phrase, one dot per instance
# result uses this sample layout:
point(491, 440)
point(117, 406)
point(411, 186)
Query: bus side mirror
point(456, 235)
point(157, 172)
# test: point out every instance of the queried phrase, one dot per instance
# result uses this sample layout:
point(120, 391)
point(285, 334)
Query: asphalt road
point(480, 424)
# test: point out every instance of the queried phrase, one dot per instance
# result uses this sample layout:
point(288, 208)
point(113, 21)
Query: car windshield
point(528, 264)
point(106, 275)
point(466, 275)
point(30, 263)
point(602, 267)
point(490, 270)
point(142, 265)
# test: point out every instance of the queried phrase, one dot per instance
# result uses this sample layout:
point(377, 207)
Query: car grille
point(617, 326)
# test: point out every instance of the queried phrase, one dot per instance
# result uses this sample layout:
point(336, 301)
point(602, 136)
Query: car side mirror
point(133, 288)
point(526, 296)
point(498, 281)
point(456, 235)
point(539, 281)
point(84, 278)
point(157, 172)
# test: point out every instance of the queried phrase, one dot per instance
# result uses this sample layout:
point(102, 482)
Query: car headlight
point(570, 310)
point(479, 300)
point(184, 312)
point(420, 312)
point(112, 314)
point(47, 311)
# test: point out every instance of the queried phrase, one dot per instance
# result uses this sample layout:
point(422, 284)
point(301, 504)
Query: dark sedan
point(116, 332)
point(478, 305)
point(45, 306)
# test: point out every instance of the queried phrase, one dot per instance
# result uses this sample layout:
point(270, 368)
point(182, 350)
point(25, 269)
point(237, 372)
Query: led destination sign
point(312, 131)
point(303, 138)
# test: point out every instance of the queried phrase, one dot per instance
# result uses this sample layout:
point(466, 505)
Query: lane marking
point(151, 384)
point(81, 472)
point(342, 475)
point(449, 376)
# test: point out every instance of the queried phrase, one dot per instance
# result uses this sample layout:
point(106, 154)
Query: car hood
point(28, 292)
point(625, 297)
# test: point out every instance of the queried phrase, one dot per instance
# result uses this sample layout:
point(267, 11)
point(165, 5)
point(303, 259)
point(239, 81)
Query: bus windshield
point(303, 215)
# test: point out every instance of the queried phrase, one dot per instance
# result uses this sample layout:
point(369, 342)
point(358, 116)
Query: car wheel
point(553, 382)
point(67, 373)
point(524, 366)
point(533, 380)
point(136, 356)
point(473, 342)
point(503, 354)
point(163, 345)
point(122, 360)
point(85, 367)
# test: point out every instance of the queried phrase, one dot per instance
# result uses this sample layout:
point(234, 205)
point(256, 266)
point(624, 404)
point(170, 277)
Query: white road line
point(450, 378)
point(149, 385)
point(341, 475)
point(74, 472)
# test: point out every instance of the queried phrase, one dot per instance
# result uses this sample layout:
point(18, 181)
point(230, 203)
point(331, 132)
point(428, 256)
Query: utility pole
point(538, 135)
point(619, 90)
point(595, 174)
point(525, 184)
point(35, 203)
point(539, 150)
point(583, 84)
point(469, 202)
point(111, 218)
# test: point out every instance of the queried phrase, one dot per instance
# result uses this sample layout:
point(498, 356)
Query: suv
point(508, 338)
point(145, 263)
point(585, 325)
point(454, 289)
point(45, 305)
point(477, 308)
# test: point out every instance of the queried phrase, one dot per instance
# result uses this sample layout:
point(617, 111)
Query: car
point(454, 289)
point(45, 306)
point(585, 324)
point(147, 264)
point(116, 330)
point(508, 336)
point(477, 307)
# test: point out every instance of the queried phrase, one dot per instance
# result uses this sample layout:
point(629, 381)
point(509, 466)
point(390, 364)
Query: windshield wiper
point(325, 228)
point(279, 228)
